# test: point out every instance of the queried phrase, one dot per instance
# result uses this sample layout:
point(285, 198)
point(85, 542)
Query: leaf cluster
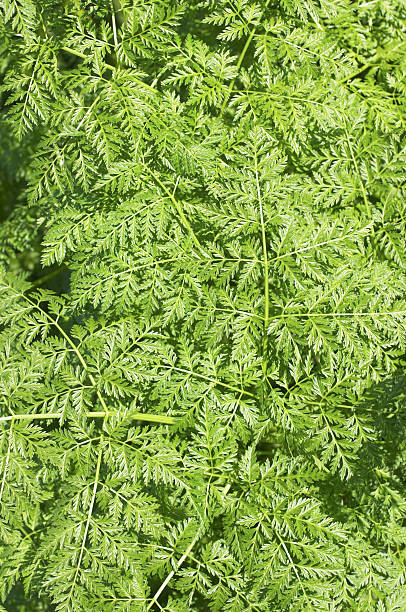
point(202, 305)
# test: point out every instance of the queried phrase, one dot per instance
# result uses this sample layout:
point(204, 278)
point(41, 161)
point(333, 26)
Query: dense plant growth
point(202, 305)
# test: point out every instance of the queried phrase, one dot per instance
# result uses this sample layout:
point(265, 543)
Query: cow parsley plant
point(202, 305)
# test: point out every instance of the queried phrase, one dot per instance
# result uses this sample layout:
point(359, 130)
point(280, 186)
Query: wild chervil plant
point(202, 383)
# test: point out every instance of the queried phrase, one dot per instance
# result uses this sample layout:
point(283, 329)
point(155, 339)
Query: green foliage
point(202, 305)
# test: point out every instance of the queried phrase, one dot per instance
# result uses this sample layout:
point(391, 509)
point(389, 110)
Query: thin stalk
point(71, 344)
point(239, 63)
point(179, 209)
point(113, 22)
point(364, 193)
point(137, 416)
point(106, 66)
point(44, 279)
point(357, 72)
point(173, 572)
point(266, 269)
point(338, 314)
point(368, 65)
point(89, 516)
point(6, 462)
point(213, 380)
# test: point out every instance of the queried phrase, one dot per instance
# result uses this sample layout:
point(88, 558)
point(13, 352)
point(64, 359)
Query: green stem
point(89, 516)
point(338, 314)
point(69, 341)
point(213, 380)
point(179, 209)
point(356, 73)
point(5, 464)
point(118, 12)
point(113, 22)
point(239, 63)
point(368, 65)
point(364, 194)
point(266, 269)
point(47, 277)
point(173, 572)
point(137, 416)
point(106, 66)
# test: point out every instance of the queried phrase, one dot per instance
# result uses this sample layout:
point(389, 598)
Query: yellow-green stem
point(136, 416)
